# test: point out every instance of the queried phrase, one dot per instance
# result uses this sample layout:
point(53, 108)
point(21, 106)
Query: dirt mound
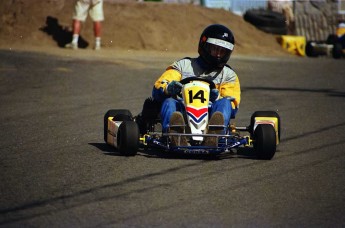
point(128, 26)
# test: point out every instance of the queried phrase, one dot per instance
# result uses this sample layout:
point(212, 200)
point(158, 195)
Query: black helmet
point(216, 45)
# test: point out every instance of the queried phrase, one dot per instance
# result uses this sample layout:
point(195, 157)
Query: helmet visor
point(219, 48)
point(217, 51)
point(221, 43)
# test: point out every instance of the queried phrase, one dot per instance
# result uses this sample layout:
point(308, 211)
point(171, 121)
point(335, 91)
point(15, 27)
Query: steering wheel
point(187, 80)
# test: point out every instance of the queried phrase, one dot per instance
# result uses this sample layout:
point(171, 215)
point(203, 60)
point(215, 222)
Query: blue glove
point(174, 88)
point(214, 94)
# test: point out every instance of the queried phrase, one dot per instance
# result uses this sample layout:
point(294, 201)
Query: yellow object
point(340, 31)
point(293, 44)
point(269, 120)
point(110, 131)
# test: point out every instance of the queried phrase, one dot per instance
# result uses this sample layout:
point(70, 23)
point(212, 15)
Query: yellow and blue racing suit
point(340, 32)
point(225, 79)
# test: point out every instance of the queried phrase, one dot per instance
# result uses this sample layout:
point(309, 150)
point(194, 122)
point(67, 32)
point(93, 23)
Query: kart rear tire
point(128, 138)
point(265, 141)
point(265, 114)
point(337, 50)
point(118, 114)
point(332, 39)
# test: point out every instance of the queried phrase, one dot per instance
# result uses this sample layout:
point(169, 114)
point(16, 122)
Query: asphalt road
point(56, 170)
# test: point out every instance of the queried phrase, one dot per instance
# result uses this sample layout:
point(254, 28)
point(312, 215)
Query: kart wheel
point(310, 50)
point(128, 138)
point(337, 50)
point(332, 39)
point(149, 116)
point(264, 114)
point(265, 141)
point(118, 114)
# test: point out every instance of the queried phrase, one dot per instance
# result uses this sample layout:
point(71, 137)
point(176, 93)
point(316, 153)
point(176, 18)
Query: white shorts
point(93, 7)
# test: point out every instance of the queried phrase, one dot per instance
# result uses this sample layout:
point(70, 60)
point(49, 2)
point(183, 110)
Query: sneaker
point(217, 119)
point(97, 47)
point(72, 45)
point(177, 125)
point(97, 44)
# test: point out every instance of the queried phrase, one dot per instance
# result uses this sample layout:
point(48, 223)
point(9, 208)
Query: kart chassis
point(128, 134)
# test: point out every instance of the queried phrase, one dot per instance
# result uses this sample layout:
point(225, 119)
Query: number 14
point(199, 95)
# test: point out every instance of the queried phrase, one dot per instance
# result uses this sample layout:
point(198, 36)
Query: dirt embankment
point(149, 26)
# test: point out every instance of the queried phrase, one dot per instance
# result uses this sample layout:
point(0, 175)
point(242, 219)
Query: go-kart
point(128, 134)
point(334, 46)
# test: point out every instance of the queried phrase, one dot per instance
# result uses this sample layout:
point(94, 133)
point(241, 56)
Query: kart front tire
point(128, 138)
point(265, 141)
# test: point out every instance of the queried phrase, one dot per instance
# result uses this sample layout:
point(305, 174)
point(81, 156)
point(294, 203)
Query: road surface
point(56, 170)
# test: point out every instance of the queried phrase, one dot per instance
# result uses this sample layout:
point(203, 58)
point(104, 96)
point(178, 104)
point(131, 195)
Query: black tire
point(273, 30)
point(118, 114)
point(310, 50)
point(337, 50)
point(128, 138)
point(264, 114)
point(149, 115)
point(265, 141)
point(265, 18)
point(151, 109)
point(332, 39)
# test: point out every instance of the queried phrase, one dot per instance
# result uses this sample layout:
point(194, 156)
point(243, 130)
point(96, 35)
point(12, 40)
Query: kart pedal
point(216, 120)
point(177, 125)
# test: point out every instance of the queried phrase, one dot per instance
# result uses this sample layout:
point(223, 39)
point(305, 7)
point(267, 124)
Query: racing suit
point(225, 79)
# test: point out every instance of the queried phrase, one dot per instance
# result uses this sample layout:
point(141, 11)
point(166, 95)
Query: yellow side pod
point(112, 129)
point(268, 120)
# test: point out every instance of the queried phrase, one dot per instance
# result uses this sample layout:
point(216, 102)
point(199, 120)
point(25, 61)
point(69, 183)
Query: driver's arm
point(160, 85)
point(231, 89)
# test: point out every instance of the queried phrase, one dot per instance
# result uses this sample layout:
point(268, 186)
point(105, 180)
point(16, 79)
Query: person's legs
point(97, 16)
point(169, 106)
point(76, 27)
point(75, 37)
point(173, 121)
point(97, 29)
point(224, 106)
point(220, 114)
point(79, 16)
point(76, 31)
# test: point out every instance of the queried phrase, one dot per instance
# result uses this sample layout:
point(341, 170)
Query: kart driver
point(215, 47)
